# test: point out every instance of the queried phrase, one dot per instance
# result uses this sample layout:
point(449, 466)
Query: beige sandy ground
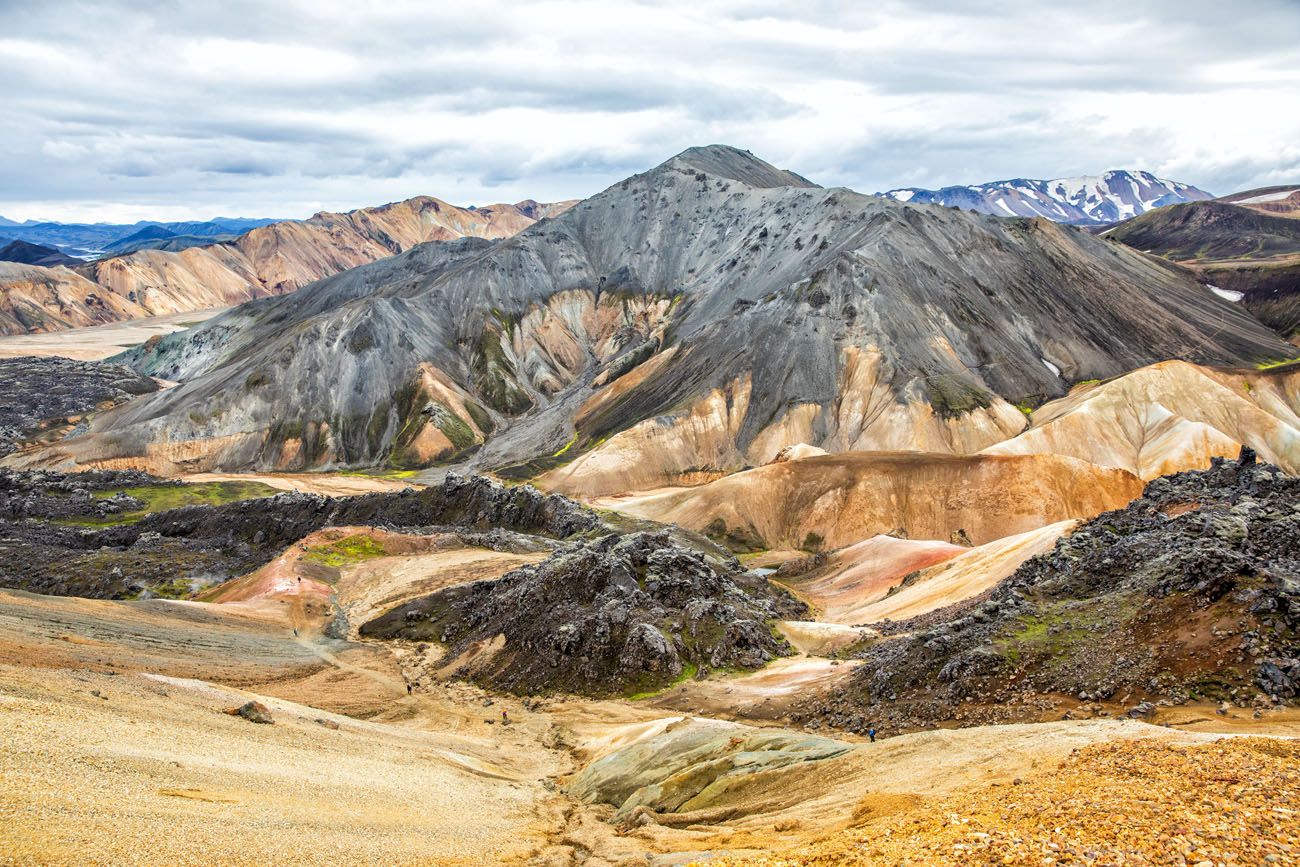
point(101, 341)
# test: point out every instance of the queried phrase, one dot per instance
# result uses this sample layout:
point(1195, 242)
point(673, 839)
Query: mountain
point(1089, 200)
point(833, 501)
point(1282, 201)
point(34, 254)
point(1244, 251)
point(35, 299)
point(170, 244)
point(5, 221)
point(1170, 417)
point(97, 236)
point(686, 322)
point(278, 258)
point(132, 241)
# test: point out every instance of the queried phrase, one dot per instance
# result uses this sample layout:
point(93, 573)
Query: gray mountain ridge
point(712, 274)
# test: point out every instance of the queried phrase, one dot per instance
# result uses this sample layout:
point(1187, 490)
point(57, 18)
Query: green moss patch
point(689, 670)
point(346, 552)
point(160, 498)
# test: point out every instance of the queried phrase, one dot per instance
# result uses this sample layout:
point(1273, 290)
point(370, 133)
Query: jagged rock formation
point(37, 394)
point(204, 545)
point(46, 495)
point(1169, 417)
point(622, 614)
point(1240, 250)
point(689, 321)
point(1191, 591)
point(1091, 200)
point(268, 260)
point(838, 500)
point(691, 765)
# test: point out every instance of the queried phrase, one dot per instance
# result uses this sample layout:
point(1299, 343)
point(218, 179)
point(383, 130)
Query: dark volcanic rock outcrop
point(617, 615)
point(194, 546)
point(1192, 591)
point(38, 392)
point(46, 495)
point(695, 318)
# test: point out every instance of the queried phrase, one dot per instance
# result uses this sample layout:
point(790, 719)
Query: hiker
point(505, 720)
point(295, 632)
point(871, 733)
point(408, 687)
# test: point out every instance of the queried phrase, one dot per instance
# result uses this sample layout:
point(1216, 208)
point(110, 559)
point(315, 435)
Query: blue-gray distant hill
point(97, 237)
point(34, 254)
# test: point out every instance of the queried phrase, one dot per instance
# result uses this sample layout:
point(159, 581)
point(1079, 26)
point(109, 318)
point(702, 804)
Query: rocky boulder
point(254, 712)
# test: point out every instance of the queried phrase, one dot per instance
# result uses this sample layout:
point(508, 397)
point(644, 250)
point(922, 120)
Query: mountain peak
point(725, 161)
point(1086, 200)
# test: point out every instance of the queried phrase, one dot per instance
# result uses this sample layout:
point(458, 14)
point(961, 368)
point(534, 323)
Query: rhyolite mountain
point(1282, 200)
point(165, 274)
point(687, 321)
point(1089, 200)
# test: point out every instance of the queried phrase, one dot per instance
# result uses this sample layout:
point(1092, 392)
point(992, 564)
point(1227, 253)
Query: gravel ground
point(1231, 802)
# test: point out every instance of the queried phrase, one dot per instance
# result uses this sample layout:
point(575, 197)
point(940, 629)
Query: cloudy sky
point(179, 110)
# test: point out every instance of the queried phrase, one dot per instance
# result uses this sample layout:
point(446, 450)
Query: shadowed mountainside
point(1237, 246)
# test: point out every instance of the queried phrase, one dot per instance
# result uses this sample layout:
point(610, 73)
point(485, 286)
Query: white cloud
point(119, 109)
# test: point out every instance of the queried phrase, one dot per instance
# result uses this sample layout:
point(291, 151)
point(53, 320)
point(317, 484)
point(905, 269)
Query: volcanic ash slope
point(692, 320)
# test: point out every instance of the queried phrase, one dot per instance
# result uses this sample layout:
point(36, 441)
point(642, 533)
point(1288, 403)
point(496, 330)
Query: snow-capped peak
point(1087, 200)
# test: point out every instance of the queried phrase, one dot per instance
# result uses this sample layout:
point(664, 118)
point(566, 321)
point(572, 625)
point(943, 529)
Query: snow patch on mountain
point(1086, 200)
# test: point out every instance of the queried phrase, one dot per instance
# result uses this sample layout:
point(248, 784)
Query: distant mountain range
point(33, 254)
point(90, 238)
point(1090, 200)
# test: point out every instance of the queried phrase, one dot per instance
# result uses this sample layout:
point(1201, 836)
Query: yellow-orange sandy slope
point(838, 500)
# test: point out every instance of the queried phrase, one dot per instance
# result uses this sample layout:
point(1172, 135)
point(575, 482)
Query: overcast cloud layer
point(178, 110)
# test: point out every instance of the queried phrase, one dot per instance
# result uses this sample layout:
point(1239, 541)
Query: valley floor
point(116, 746)
point(101, 341)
